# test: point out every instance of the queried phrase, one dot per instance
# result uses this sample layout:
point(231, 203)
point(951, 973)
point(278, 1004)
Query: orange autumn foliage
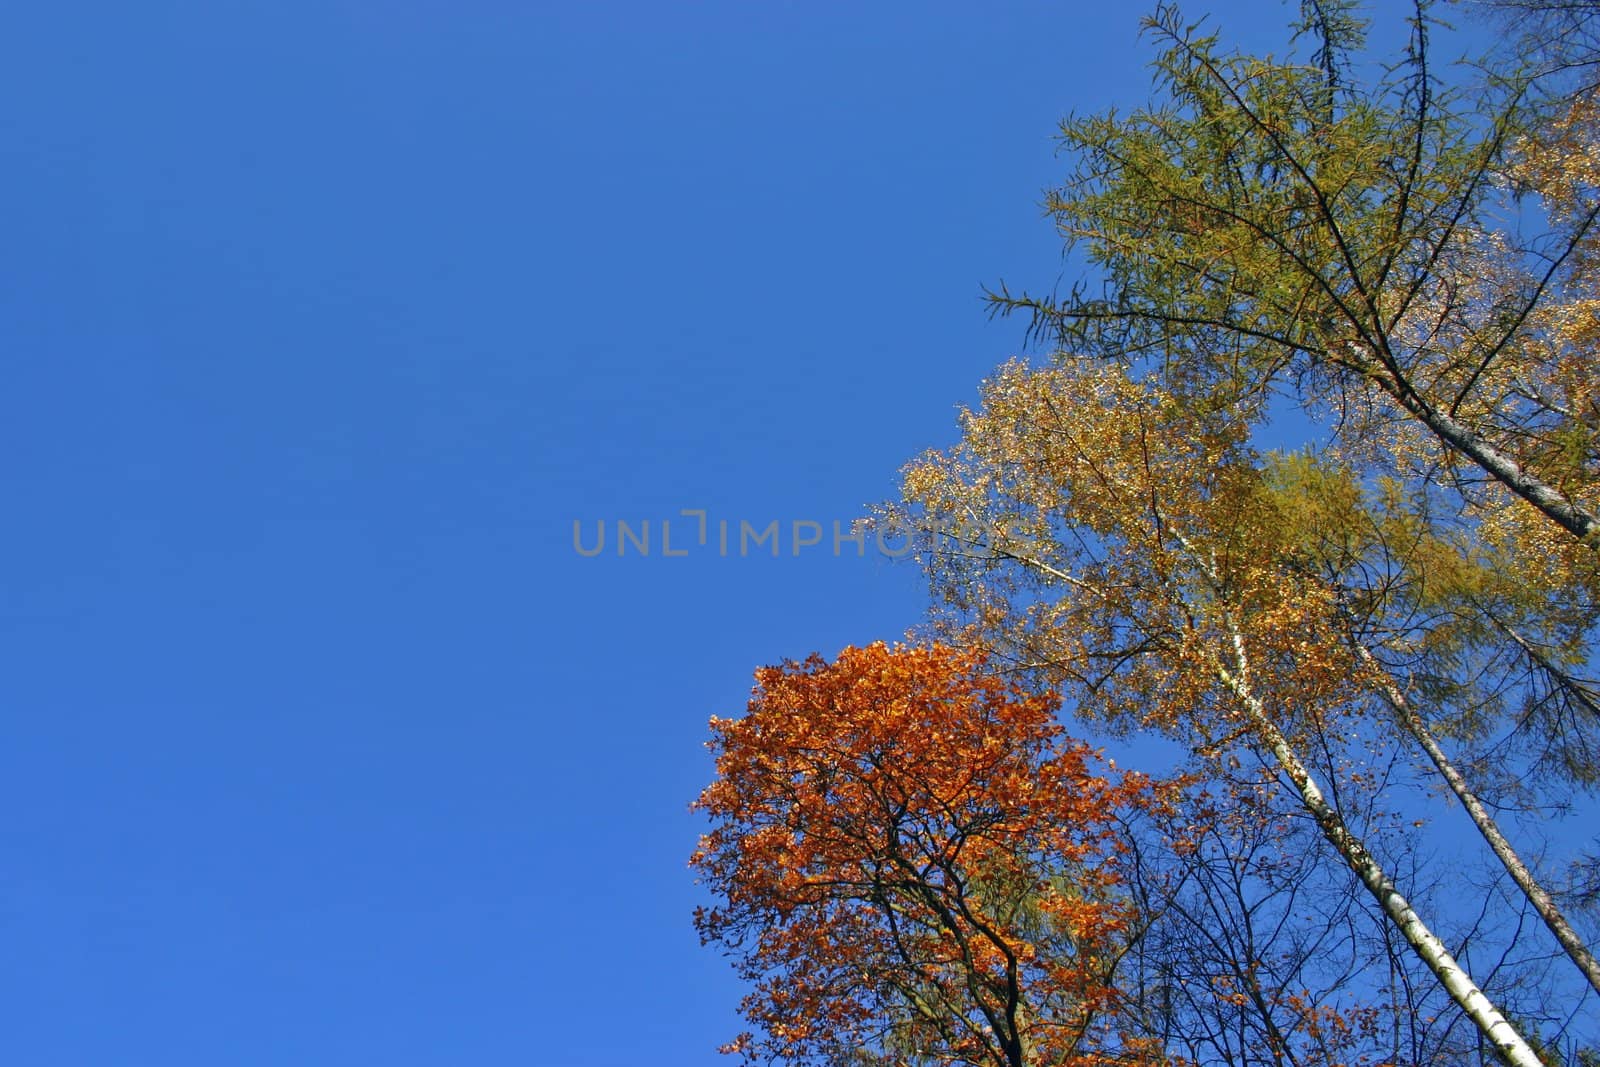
point(916, 865)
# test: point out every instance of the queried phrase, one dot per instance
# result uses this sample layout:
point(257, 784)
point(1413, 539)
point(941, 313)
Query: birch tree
point(1272, 228)
point(1114, 542)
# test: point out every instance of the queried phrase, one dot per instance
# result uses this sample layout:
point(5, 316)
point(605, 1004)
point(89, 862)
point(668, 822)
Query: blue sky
point(323, 323)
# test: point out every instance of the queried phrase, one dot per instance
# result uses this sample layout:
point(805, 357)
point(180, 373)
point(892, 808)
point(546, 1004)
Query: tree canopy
point(1307, 483)
point(917, 865)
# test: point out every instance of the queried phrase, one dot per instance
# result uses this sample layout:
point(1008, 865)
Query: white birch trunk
point(1427, 946)
point(1498, 844)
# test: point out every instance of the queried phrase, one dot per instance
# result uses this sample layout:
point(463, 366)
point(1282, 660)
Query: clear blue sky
point(322, 323)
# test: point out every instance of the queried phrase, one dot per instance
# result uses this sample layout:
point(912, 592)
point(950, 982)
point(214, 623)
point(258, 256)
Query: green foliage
point(1274, 227)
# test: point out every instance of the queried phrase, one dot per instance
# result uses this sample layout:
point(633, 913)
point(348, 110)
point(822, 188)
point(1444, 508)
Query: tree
point(1276, 228)
point(1254, 948)
point(1115, 541)
point(917, 867)
point(1557, 40)
point(1282, 227)
point(1415, 593)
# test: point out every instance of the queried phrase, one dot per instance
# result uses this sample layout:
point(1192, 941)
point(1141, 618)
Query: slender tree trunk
point(1541, 900)
point(1575, 520)
point(1491, 1023)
